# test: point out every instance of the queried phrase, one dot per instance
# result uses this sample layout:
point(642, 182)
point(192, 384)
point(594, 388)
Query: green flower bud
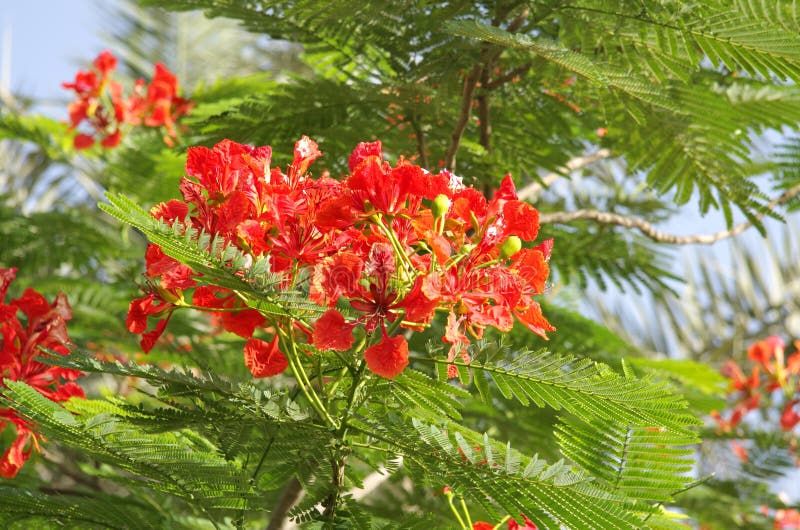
point(511, 246)
point(441, 204)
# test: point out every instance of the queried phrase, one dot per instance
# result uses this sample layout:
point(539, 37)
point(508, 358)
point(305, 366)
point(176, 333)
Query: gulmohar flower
point(28, 324)
point(381, 250)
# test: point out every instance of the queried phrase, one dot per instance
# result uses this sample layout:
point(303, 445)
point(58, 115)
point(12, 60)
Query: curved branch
point(531, 191)
point(662, 237)
point(291, 495)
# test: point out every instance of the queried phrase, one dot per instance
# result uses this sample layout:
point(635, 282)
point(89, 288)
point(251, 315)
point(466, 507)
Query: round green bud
point(441, 204)
point(511, 246)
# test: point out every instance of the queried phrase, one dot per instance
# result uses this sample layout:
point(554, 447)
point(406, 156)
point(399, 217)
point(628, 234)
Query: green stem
point(338, 457)
point(466, 512)
point(213, 309)
point(455, 511)
point(398, 248)
point(503, 520)
point(332, 390)
point(302, 378)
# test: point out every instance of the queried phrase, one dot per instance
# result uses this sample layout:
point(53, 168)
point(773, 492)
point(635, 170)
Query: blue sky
point(50, 39)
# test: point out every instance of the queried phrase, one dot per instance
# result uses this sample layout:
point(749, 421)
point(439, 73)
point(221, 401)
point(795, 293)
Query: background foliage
point(610, 115)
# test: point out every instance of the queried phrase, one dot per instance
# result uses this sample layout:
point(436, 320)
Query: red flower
point(27, 325)
point(242, 322)
point(363, 151)
point(139, 310)
point(305, 152)
point(264, 359)
point(336, 276)
point(156, 106)
point(389, 357)
point(787, 520)
point(105, 63)
point(172, 274)
point(748, 385)
point(764, 350)
point(482, 525)
point(372, 239)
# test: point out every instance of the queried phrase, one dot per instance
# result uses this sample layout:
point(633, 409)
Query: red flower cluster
point(783, 519)
point(100, 103)
point(772, 371)
point(397, 243)
point(43, 325)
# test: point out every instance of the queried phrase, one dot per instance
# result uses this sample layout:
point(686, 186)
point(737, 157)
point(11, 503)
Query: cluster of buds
point(100, 104)
point(28, 324)
point(392, 244)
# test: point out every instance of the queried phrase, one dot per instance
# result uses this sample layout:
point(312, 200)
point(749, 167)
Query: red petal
point(170, 211)
point(172, 273)
point(138, 311)
point(264, 359)
point(14, 457)
point(532, 268)
point(150, 338)
point(243, 323)
point(389, 357)
point(112, 140)
point(506, 191)
point(790, 418)
point(535, 321)
point(793, 363)
point(6, 277)
point(83, 141)
point(521, 219)
point(206, 296)
point(331, 332)
point(546, 248)
point(68, 390)
point(336, 276)
point(306, 151)
point(419, 308)
point(336, 212)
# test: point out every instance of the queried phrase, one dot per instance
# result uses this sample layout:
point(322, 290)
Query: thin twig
point(423, 158)
point(484, 114)
point(519, 20)
point(531, 191)
point(662, 237)
point(501, 80)
point(463, 118)
point(488, 56)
